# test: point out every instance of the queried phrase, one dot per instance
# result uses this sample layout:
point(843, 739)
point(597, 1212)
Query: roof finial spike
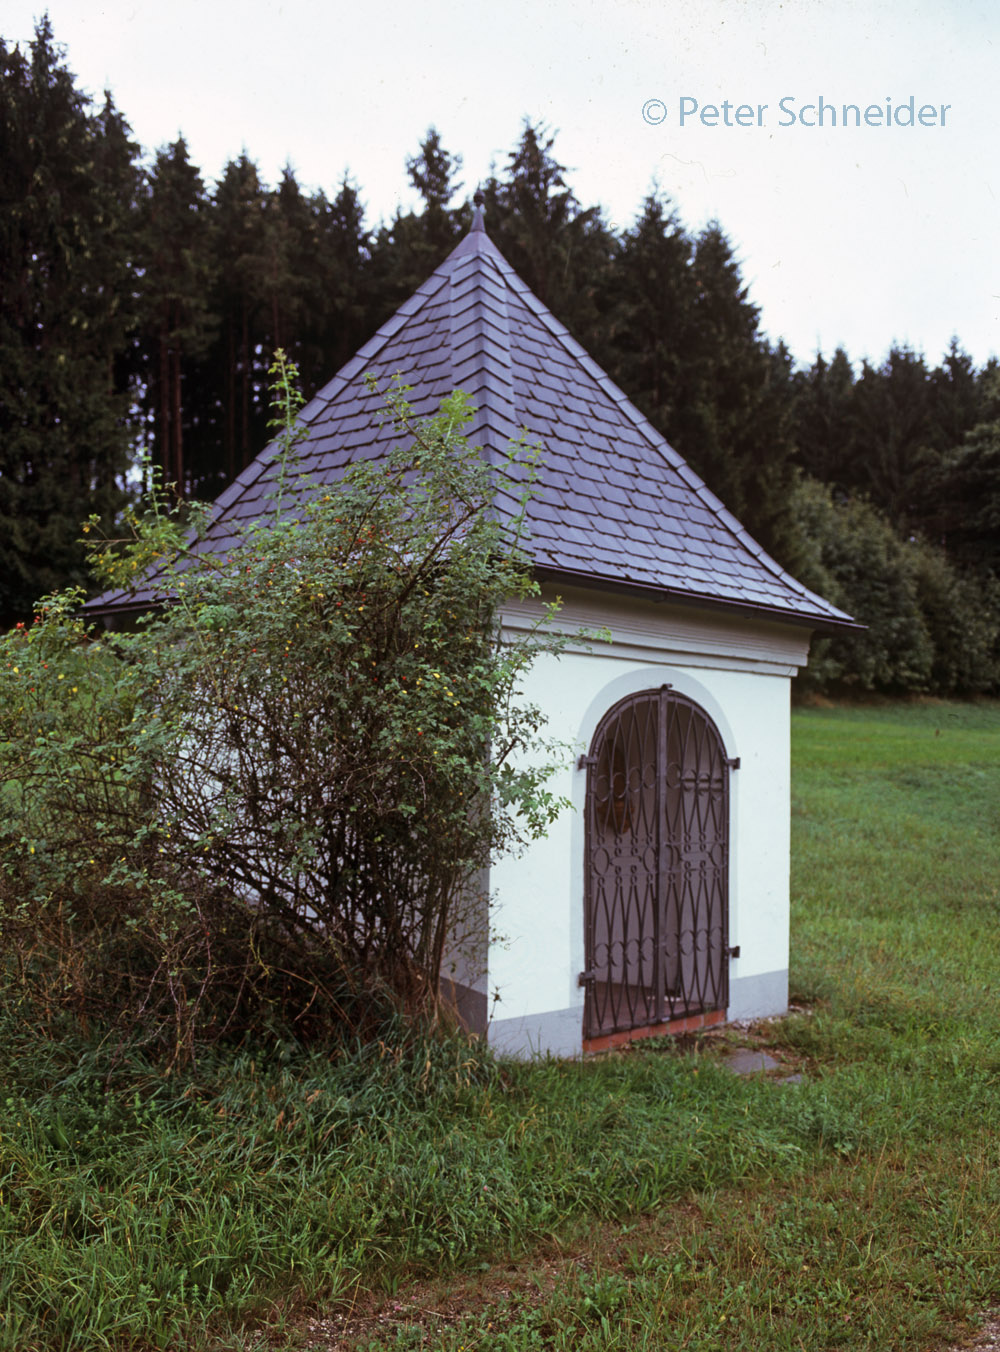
point(479, 214)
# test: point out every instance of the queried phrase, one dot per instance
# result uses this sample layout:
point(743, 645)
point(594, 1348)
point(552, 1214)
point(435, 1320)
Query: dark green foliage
point(343, 313)
point(650, 320)
point(407, 249)
point(959, 398)
point(892, 445)
point(962, 500)
point(684, 342)
point(856, 559)
point(929, 626)
point(735, 425)
point(824, 416)
point(150, 311)
point(269, 804)
point(905, 535)
point(433, 173)
point(287, 269)
point(894, 433)
point(562, 250)
point(177, 322)
point(236, 368)
point(961, 612)
point(68, 184)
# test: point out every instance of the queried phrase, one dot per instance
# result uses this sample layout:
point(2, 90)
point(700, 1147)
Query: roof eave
point(663, 595)
point(97, 609)
point(616, 586)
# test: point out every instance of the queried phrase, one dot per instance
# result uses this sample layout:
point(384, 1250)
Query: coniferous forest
point(140, 307)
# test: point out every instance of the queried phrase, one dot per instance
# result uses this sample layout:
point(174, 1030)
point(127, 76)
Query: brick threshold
point(690, 1023)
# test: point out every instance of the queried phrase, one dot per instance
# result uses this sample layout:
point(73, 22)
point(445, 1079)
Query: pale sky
point(853, 235)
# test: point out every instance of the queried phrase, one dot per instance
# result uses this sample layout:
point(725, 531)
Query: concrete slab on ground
point(745, 1061)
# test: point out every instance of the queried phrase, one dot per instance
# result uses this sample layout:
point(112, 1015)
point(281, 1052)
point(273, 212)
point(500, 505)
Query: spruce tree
point(288, 278)
point(434, 173)
point(956, 398)
point(824, 419)
point(687, 345)
point(651, 315)
point(894, 449)
point(69, 177)
point(314, 279)
point(408, 249)
point(177, 319)
point(562, 250)
point(962, 501)
point(237, 368)
point(344, 311)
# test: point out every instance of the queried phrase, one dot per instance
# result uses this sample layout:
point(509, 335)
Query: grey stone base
point(559, 1032)
point(755, 997)
point(556, 1032)
point(468, 1004)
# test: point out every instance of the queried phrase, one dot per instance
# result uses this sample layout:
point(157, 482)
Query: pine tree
point(962, 500)
point(893, 449)
point(316, 255)
point(824, 419)
point(688, 345)
point(408, 249)
point(287, 281)
point(560, 249)
point(238, 369)
point(68, 183)
point(345, 309)
point(956, 399)
point(653, 302)
point(433, 172)
point(178, 324)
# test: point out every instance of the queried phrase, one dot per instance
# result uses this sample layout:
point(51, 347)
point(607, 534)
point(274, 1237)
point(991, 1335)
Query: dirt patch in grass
point(431, 1305)
point(427, 1309)
point(545, 1292)
point(495, 1295)
point(986, 1338)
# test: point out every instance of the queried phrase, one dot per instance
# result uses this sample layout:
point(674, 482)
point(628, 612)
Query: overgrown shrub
point(930, 627)
point(271, 802)
point(962, 615)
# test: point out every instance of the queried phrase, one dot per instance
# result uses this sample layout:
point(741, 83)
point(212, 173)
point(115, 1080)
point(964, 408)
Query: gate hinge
point(586, 977)
point(734, 952)
point(584, 762)
point(733, 762)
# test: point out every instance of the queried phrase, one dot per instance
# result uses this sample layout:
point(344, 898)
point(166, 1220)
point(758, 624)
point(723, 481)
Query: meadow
point(415, 1193)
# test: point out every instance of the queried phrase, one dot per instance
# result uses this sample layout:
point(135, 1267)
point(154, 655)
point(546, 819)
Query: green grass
point(642, 1200)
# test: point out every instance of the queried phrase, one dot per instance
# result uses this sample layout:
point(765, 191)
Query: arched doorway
point(656, 866)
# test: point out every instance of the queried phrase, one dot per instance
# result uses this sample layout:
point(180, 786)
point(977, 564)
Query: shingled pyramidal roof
point(617, 507)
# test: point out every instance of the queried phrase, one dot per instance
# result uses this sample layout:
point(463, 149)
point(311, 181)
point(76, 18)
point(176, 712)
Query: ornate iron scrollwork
point(657, 865)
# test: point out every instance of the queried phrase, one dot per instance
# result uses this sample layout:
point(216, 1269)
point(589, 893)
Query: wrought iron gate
point(657, 865)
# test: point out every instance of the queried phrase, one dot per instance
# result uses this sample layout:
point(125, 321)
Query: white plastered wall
point(738, 670)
